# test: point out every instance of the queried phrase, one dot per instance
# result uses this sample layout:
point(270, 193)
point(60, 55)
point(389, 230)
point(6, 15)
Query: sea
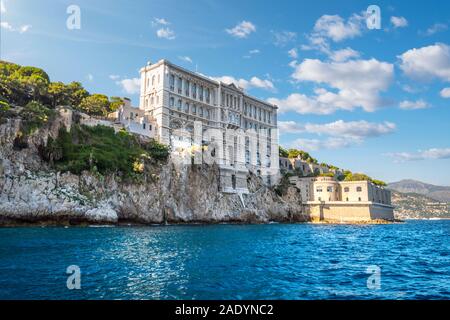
point(409, 260)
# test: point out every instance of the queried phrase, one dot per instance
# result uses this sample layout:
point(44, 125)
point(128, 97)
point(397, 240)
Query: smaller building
point(327, 199)
point(136, 120)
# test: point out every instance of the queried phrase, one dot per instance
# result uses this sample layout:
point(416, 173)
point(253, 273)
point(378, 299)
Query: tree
point(76, 93)
point(96, 104)
point(116, 103)
point(283, 152)
point(58, 93)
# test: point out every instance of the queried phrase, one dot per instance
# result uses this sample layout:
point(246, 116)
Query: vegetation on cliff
point(100, 149)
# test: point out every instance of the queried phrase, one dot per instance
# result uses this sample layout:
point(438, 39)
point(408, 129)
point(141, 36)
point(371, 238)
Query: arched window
point(194, 109)
point(153, 80)
point(179, 104)
point(186, 107)
point(358, 189)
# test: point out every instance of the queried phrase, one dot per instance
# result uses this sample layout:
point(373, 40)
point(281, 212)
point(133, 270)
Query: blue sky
point(368, 100)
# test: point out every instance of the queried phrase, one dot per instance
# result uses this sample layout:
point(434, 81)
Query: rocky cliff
point(31, 191)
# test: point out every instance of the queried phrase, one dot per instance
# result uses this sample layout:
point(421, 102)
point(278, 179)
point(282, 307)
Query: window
point(201, 111)
point(346, 189)
point(153, 80)
point(150, 127)
point(179, 104)
point(329, 189)
point(319, 189)
point(171, 102)
point(194, 91)
point(207, 95)
point(200, 93)
point(143, 126)
point(172, 82)
point(194, 109)
point(186, 107)
point(346, 199)
point(358, 189)
point(207, 114)
point(179, 84)
point(186, 88)
point(359, 199)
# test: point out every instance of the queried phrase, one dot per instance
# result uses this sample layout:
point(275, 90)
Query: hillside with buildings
point(438, 193)
point(196, 150)
point(417, 206)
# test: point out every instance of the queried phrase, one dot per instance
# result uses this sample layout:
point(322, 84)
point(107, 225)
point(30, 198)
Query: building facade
point(189, 111)
point(332, 200)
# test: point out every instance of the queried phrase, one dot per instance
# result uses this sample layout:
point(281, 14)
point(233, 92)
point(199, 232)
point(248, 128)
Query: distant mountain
point(438, 193)
point(417, 206)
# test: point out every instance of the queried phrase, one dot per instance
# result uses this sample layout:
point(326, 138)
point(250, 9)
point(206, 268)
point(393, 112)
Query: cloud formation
point(445, 93)
point(282, 38)
point(426, 63)
point(340, 133)
point(399, 22)
point(413, 105)
point(430, 154)
point(163, 32)
point(242, 30)
point(355, 84)
point(130, 86)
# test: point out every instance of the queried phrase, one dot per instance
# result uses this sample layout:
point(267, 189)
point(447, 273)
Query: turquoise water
point(277, 261)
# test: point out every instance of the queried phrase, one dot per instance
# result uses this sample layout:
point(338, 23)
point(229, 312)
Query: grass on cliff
point(100, 149)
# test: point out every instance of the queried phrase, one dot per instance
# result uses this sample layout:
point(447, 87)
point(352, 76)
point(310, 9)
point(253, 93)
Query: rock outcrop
point(31, 191)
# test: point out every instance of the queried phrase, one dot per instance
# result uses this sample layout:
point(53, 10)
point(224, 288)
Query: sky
point(363, 98)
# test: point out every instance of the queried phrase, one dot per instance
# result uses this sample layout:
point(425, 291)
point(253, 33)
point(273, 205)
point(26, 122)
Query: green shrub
point(100, 149)
point(34, 115)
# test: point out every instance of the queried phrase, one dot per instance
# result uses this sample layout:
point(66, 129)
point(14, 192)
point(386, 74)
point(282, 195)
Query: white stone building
point(196, 114)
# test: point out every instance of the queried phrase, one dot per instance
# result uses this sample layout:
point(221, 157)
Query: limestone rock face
point(31, 192)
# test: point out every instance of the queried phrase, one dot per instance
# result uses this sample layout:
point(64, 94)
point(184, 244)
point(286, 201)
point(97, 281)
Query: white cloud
point(336, 28)
point(344, 54)
point(281, 38)
point(427, 62)
point(242, 30)
point(430, 154)
point(351, 129)
point(252, 53)
point(130, 86)
point(435, 28)
point(2, 7)
point(254, 82)
point(24, 28)
point(186, 59)
point(165, 33)
point(293, 53)
point(445, 93)
point(358, 84)
point(341, 134)
point(399, 22)
point(114, 77)
point(160, 21)
point(6, 25)
point(316, 144)
point(413, 105)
